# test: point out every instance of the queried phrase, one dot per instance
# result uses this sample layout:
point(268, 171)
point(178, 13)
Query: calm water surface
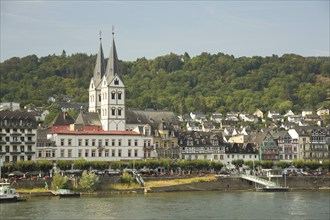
point(179, 205)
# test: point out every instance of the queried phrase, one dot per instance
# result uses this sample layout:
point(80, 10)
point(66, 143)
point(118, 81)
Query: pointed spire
point(99, 69)
point(113, 63)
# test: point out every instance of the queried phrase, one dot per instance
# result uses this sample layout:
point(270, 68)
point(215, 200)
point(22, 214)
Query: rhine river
point(178, 205)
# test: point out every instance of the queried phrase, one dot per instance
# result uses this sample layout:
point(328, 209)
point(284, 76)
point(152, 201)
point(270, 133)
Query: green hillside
point(205, 83)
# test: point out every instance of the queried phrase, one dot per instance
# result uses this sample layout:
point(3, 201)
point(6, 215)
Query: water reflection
point(185, 205)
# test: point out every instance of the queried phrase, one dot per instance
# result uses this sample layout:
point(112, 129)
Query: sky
point(156, 28)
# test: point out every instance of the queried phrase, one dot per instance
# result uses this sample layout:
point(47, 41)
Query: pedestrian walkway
point(258, 180)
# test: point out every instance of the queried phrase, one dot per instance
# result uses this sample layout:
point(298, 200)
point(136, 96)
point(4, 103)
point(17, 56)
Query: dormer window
point(116, 82)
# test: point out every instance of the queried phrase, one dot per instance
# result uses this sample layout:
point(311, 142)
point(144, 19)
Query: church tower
point(112, 94)
point(95, 83)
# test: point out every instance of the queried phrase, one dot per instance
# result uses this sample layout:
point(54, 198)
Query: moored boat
point(273, 189)
point(9, 194)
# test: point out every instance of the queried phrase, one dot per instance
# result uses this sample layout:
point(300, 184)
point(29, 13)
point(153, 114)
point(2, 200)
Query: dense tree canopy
point(205, 83)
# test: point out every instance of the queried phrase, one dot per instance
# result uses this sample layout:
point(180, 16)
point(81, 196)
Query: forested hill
point(205, 83)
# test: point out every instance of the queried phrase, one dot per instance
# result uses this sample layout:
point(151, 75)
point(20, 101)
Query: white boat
point(9, 194)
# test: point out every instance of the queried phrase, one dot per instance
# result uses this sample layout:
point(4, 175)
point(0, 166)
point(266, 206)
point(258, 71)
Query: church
point(109, 131)
point(107, 91)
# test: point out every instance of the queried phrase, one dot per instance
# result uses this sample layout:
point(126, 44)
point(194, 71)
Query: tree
point(60, 182)
point(88, 182)
point(238, 163)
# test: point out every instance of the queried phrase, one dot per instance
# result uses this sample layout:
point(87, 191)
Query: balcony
point(15, 152)
point(30, 134)
point(15, 142)
point(15, 134)
point(30, 152)
point(30, 142)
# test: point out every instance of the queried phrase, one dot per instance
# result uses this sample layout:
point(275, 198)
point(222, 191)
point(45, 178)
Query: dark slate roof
point(88, 119)
point(307, 130)
point(239, 148)
point(200, 138)
point(99, 68)
point(112, 68)
point(153, 118)
point(13, 119)
point(62, 118)
point(42, 134)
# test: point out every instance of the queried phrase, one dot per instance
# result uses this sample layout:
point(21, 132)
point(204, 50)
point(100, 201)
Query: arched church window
point(119, 95)
point(113, 95)
point(99, 98)
point(119, 111)
point(113, 111)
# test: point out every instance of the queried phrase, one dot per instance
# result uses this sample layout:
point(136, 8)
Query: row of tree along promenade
point(185, 166)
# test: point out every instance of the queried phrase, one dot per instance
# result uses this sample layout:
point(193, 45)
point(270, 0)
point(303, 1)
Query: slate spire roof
point(99, 69)
point(113, 64)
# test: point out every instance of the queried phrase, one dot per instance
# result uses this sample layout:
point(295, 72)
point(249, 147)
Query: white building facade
point(102, 145)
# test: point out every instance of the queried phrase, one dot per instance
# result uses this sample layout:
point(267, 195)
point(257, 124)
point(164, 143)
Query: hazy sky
point(156, 28)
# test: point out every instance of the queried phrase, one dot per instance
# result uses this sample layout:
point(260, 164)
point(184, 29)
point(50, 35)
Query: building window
point(62, 152)
point(129, 142)
point(62, 142)
point(79, 153)
point(113, 142)
point(119, 142)
point(93, 153)
point(113, 111)
point(48, 153)
point(79, 142)
point(86, 142)
point(86, 153)
point(93, 142)
point(135, 142)
point(129, 153)
point(116, 82)
point(135, 153)
point(106, 153)
point(106, 142)
point(113, 153)
point(119, 111)
point(70, 153)
point(29, 148)
point(119, 95)
point(100, 153)
point(100, 143)
point(69, 142)
point(39, 153)
point(113, 95)
point(119, 153)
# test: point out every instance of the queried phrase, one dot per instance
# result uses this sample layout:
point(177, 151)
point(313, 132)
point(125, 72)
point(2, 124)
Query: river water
point(178, 205)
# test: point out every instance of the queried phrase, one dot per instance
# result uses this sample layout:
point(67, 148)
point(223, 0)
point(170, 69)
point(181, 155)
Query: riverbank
point(156, 185)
